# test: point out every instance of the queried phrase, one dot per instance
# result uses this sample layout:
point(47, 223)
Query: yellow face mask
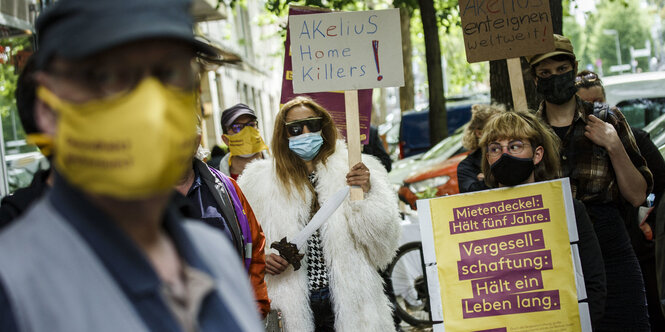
point(129, 147)
point(246, 143)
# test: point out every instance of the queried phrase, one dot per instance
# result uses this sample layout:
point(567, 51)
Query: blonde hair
point(522, 125)
point(291, 170)
point(480, 113)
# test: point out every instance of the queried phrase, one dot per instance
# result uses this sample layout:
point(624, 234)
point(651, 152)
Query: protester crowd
point(134, 228)
point(612, 168)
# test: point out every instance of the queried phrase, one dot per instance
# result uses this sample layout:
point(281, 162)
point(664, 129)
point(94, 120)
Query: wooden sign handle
point(353, 136)
point(517, 84)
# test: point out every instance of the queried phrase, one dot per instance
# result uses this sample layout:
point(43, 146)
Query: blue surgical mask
point(306, 146)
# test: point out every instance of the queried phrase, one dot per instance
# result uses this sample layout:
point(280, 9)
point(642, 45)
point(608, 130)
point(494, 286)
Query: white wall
point(257, 81)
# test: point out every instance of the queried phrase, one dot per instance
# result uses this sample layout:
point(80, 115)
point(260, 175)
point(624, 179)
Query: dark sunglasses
point(295, 128)
point(590, 78)
point(237, 127)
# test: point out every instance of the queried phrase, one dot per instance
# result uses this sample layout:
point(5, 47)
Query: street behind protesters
point(338, 287)
point(217, 200)
point(469, 175)
point(242, 136)
point(101, 251)
point(605, 168)
point(518, 148)
point(590, 88)
point(14, 205)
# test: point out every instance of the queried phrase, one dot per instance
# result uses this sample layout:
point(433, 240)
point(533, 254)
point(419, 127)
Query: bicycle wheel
point(409, 284)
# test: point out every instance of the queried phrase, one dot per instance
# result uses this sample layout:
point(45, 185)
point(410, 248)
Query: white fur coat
point(357, 240)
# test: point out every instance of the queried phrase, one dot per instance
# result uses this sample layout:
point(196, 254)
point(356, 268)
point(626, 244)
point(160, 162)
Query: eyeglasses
point(237, 127)
point(112, 78)
point(295, 128)
point(590, 78)
point(514, 147)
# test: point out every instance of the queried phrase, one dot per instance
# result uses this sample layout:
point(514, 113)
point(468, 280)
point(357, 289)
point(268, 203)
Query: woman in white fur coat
point(338, 287)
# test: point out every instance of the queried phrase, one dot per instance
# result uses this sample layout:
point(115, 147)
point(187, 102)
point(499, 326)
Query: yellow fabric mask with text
point(130, 146)
point(246, 143)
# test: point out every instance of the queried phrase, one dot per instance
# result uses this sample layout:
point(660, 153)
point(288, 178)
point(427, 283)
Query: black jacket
point(13, 206)
point(375, 148)
point(644, 249)
point(593, 266)
point(467, 172)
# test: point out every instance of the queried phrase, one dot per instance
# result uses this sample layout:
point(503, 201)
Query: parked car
point(434, 181)
point(640, 97)
point(443, 150)
point(414, 135)
point(408, 171)
point(656, 130)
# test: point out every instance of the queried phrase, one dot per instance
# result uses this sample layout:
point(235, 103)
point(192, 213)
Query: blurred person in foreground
point(639, 224)
point(518, 148)
point(338, 288)
point(216, 199)
point(469, 175)
point(102, 250)
point(242, 136)
point(14, 205)
point(605, 169)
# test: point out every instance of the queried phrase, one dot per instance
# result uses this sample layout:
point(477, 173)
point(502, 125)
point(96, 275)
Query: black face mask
point(511, 171)
point(557, 89)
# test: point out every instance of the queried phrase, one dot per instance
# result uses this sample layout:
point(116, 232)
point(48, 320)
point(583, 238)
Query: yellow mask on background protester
point(246, 143)
point(130, 146)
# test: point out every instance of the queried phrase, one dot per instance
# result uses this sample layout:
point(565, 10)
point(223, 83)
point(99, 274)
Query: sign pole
point(353, 136)
point(517, 84)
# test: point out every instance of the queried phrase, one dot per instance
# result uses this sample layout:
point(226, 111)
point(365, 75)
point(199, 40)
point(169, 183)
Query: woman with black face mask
point(606, 169)
point(518, 149)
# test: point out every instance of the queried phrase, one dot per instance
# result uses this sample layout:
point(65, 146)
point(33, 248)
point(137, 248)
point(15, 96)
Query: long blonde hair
point(291, 170)
point(522, 125)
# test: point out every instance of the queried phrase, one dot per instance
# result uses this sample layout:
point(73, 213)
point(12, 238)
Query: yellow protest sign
point(504, 259)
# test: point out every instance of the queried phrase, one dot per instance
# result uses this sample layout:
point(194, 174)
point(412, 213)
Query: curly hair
point(291, 170)
point(524, 125)
point(480, 113)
